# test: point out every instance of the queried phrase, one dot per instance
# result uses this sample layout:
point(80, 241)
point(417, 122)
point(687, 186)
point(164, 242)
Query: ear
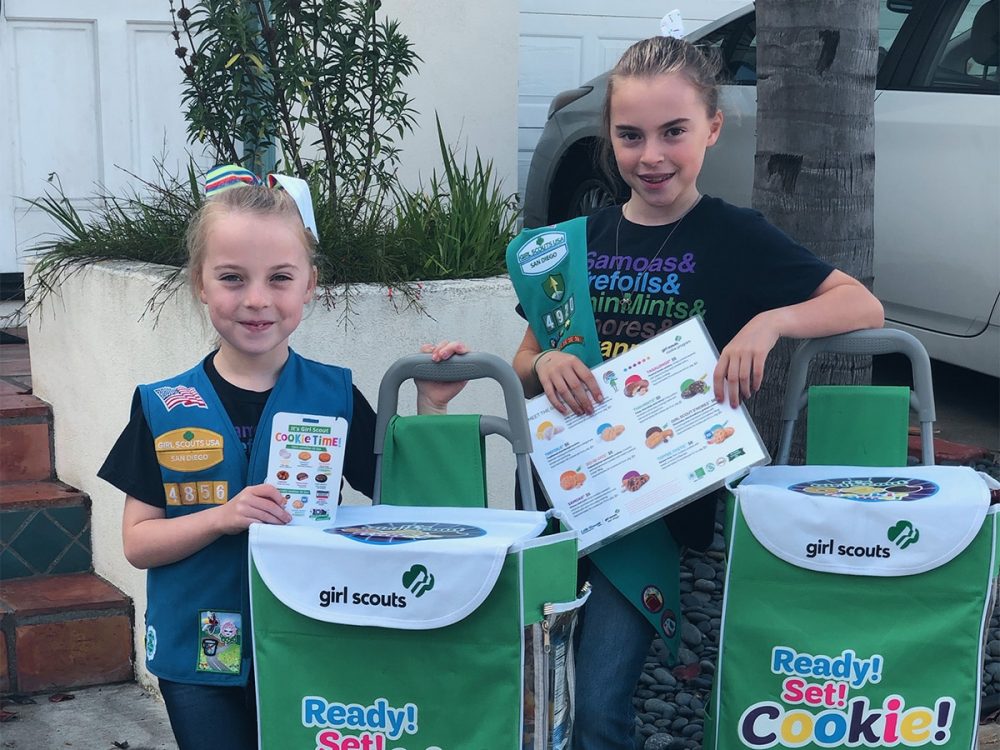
point(714, 128)
point(313, 280)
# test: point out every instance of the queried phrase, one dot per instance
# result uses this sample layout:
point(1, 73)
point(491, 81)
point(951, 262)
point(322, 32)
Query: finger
point(733, 383)
point(426, 348)
point(746, 368)
point(591, 384)
point(719, 378)
point(758, 373)
point(554, 399)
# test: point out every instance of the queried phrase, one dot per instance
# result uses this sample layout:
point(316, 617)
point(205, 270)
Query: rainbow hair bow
point(226, 176)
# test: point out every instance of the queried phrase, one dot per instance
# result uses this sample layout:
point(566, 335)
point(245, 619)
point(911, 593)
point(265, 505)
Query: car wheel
point(590, 195)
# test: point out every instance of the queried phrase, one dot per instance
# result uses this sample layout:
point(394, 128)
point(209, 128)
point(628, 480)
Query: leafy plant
point(306, 74)
point(461, 225)
point(146, 225)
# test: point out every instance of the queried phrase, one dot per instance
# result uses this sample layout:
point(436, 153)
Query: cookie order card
point(305, 463)
point(658, 440)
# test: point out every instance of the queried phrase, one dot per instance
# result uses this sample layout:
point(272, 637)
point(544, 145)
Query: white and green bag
point(856, 604)
point(410, 628)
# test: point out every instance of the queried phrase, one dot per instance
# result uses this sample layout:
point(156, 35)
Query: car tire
point(590, 195)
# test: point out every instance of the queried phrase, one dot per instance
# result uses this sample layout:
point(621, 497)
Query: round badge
point(652, 599)
point(669, 623)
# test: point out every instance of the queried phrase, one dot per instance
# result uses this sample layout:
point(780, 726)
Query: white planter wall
point(91, 345)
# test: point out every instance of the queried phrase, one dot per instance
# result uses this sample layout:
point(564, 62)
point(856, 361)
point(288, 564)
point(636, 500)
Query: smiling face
point(660, 129)
point(255, 279)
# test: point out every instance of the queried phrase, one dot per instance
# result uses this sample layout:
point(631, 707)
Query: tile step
point(44, 530)
point(25, 438)
point(63, 632)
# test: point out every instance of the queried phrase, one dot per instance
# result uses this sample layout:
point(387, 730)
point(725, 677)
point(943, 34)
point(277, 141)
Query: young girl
point(749, 281)
point(194, 455)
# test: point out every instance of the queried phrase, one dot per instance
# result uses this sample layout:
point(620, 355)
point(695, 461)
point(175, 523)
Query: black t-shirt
point(722, 262)
point(131, 466)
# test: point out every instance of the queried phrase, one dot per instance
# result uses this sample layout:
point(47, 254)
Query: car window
point(736, 42)
point(962, 52)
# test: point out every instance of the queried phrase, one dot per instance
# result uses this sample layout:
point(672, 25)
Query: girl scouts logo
point(903, 534)
point(542, 253)
point(869, 489)
point(405, 532)
point(418, 580)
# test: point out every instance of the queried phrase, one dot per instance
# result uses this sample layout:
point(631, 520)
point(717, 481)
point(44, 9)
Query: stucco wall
point(91, 344)
point(468, 75)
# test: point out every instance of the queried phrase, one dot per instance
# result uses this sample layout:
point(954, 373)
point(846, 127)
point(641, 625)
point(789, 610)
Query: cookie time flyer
point(305, 463)
point(658, 440)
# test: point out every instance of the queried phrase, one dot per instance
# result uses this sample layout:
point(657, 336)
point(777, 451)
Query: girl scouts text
point(376, 722)
point(843, 720)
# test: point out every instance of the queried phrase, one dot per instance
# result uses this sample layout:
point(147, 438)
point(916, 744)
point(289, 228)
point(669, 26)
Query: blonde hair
point(250, 199)
point(657, 56)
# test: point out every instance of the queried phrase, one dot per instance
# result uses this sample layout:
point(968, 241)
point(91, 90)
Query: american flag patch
point(180, 395)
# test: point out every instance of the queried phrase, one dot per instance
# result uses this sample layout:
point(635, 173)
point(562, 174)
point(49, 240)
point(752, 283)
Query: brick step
point(63, 632)
point(44, 529)
point(25, 438)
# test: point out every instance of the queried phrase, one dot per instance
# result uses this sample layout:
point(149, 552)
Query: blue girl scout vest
point(548, 268)
point(198, 608)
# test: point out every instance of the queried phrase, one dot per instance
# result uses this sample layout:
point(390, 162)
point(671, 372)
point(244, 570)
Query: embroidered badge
point(150, 643)
point(220, 642)
point(189, 449)
point(181, 395)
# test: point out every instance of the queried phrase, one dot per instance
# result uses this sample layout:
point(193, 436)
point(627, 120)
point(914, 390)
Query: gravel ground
point(670, 700)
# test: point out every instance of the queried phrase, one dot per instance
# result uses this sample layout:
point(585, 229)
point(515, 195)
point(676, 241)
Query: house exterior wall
point(92, 88)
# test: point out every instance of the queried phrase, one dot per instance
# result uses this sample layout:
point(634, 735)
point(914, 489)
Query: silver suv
point(937, 173)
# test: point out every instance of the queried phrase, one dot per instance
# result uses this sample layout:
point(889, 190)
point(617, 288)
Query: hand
point(260, 503)
point(741, 363)
point(568, 382)
point(433, 396)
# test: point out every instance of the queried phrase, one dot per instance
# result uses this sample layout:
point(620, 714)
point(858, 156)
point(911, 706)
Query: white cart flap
point(868, 521)
point(388, 566)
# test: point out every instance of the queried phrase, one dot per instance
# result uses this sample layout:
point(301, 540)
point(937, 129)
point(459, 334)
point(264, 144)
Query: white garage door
point(89, 90)
point(566, 42)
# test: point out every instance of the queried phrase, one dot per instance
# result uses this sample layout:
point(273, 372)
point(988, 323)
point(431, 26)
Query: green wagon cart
point(413, 624)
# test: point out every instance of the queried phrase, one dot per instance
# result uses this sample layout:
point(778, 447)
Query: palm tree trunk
point(814, 170)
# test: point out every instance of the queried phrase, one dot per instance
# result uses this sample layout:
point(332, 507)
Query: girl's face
point(660, 130)
point(256, 278)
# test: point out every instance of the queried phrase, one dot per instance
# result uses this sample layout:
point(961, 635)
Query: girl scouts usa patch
point(220, 642)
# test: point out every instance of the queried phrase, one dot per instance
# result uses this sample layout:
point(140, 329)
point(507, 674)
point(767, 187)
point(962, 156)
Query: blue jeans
point(208, 716)
point(613, 640)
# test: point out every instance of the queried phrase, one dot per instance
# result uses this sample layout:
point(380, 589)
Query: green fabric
point(463, 680)
point(549, 576)
point(925, 629)
point(857, 425)
point(647, 559)
point(434, 460)
point(548, 268)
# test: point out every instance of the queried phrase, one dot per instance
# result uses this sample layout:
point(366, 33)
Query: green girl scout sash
point(855, 608)
point(548, 268)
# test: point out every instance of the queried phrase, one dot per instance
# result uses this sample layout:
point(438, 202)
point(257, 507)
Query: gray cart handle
point(471, 366)
point(865, 342)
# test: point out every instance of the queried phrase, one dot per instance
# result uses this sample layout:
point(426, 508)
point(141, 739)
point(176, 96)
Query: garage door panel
point(159, 130)
point(57, 124)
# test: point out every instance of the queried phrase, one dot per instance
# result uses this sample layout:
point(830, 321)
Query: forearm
point(842, 308)
point(153, 542)
point(523, 364)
